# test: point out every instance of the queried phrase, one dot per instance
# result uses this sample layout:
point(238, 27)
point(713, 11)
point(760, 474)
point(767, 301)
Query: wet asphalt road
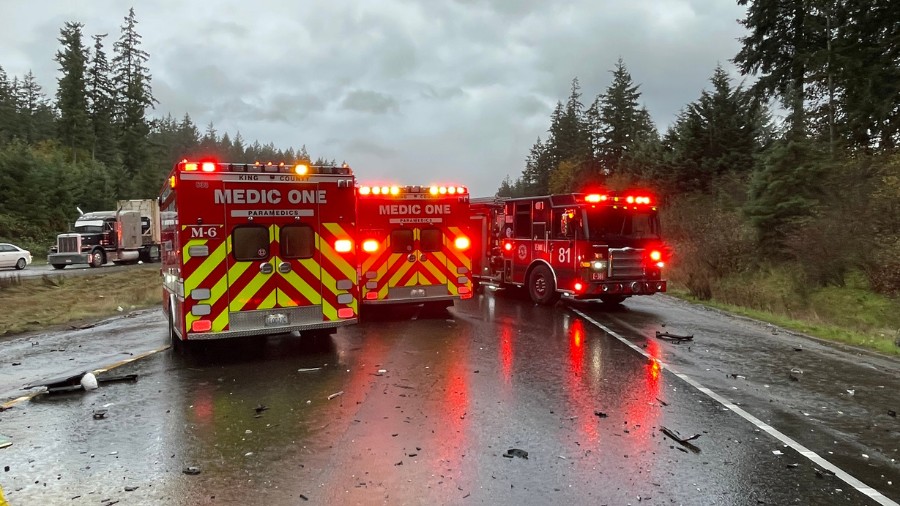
point(36, 270)
point(424, 409)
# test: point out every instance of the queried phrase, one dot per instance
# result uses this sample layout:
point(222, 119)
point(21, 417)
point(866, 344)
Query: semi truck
point(128, 235)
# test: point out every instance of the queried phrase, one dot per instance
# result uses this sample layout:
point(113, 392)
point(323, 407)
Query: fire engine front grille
point(68, 244)
point(253, 320)
point(626, 263)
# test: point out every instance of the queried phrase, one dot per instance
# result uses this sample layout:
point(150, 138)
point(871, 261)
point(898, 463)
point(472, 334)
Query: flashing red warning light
point(371, 295)
point(578, 286)
point(370, 245)
point(507, 246)
point(595, 197)
point(208, 167)
point(462, 243)
point(345, 312)
point(343, 245)
point(655, 255)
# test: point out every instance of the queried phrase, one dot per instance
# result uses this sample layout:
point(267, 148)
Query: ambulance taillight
point(343, 245)
point(462, 243)
point(370, 245)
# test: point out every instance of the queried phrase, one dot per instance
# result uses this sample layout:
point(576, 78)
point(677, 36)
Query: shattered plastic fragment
point(515, 452)
point(191, 470)
point(89, 381)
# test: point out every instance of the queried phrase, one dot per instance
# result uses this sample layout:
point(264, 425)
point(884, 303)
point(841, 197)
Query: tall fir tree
point(622, 122)
point(102, 106)
point(8, 112)
point(132, 83)
point(71, 92)
point(36, 116)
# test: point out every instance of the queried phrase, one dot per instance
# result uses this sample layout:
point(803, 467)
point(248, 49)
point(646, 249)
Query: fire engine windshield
point(89, 226)
point(620, 227)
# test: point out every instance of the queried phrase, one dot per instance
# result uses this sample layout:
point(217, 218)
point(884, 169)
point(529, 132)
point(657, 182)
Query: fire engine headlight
point(599, 265)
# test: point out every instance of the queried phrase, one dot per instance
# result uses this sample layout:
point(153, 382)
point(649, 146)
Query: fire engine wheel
point(98, 258)
point(542, 287)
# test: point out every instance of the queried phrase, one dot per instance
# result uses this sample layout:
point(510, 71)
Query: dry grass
point(55, 299)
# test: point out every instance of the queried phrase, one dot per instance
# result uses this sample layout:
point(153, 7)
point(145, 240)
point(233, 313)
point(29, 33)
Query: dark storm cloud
point(454, 91)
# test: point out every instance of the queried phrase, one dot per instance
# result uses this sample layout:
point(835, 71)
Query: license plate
point(275, 320)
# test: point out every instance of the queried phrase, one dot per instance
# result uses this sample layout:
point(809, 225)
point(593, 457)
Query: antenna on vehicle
point(80, 212)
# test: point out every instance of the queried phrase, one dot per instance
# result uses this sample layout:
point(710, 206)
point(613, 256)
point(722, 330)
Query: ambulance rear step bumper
point(226, 334)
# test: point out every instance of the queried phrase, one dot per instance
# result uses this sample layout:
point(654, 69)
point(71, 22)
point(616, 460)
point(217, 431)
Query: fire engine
point(604, 246)
point(413, 245)
point(254, 249)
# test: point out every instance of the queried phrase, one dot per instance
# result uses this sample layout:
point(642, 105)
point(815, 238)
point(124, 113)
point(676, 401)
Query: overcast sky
point(412, 92)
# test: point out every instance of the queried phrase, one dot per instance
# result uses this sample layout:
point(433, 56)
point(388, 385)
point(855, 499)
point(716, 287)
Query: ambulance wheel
point(98, 258)
point(542, 287)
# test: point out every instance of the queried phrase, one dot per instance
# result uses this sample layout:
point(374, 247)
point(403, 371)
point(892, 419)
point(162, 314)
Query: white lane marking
point(120, 363)
point(799, 448)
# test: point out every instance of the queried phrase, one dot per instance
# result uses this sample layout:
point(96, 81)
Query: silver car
point(14, 256)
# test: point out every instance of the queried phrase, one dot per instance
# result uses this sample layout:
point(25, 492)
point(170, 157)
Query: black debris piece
point(683, 441)
point(600, 414)
point(515, 452)
point(116, 379)
point(792, 466)
point(191, 470)
point(399, 463)
point(892, 413)
point(260, 408)
point(798, 348)
point(304, 497)
point(664, 403)
point(99, 414)
point(673, 337)
point(130, 489)
point(821, 473)
point(17, 363)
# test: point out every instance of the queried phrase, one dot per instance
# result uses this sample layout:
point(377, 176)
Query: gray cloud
point(452, 92)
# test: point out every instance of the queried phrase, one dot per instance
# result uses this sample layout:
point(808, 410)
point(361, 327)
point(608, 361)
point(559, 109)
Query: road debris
point(308, 369)
point(260, 408)
point(89, 381)
point(99, 414)
point(673, 337)
point(515, 452)
point(662, 402)
point(130, 489)
point(892, 413)
point(336, 394)
point(600, 414)
point(5, 441)
point(683, 441)
point(794, 375)
point(191, 470)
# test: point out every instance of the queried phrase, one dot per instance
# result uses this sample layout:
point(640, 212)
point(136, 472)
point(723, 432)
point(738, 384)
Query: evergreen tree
point(784, 37)
point(102, 103)
point(8, 113)
point(719, 133)
point(622, 123)
point(71, 95)
point(134, 96)
point(36, 117)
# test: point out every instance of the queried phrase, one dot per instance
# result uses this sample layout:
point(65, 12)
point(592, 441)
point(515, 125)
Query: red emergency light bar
point(595, 198)
point(397, 190)
point(300, 169)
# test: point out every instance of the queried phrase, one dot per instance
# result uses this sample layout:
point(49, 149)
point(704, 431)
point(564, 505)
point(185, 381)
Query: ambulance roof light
point(365, 190)
point(190, 166)
point(208, 167)
point(395, 190)
point(301, 169)
point(433, 190)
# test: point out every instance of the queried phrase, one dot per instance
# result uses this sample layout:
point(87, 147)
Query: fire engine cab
point(413, 245)
point(605, 246)
point(254, 249)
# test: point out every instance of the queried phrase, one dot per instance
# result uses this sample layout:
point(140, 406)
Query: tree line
point(95, 142)
point(818, 188)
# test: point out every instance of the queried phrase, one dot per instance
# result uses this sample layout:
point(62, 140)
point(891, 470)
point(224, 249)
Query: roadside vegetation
point(54, 300)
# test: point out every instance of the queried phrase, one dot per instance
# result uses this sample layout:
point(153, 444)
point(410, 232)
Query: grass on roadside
point(851, 314)
point(34, 303)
